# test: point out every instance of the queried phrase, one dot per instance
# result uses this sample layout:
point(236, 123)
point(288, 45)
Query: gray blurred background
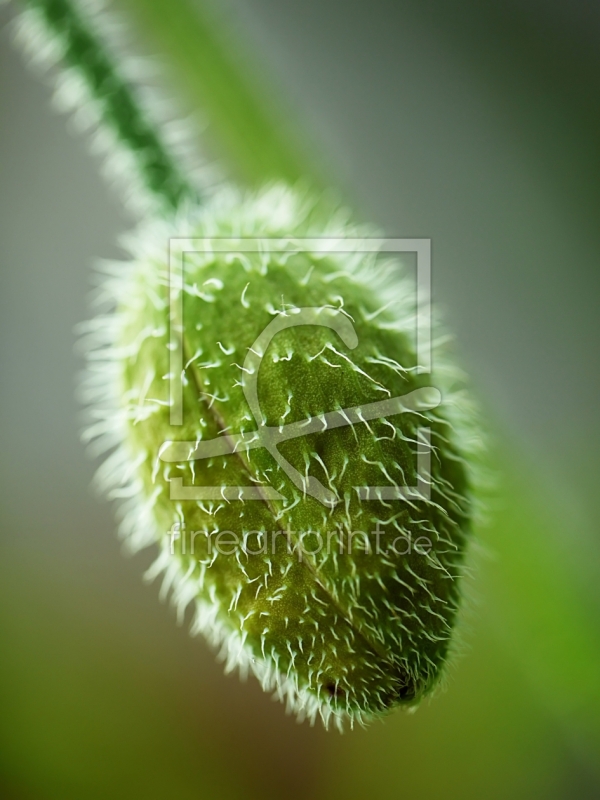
point(475, 124)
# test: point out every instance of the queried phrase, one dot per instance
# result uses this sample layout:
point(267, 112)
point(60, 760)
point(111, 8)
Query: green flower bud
point(272, 431)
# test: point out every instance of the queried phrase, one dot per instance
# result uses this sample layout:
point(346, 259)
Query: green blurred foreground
point(102, 695)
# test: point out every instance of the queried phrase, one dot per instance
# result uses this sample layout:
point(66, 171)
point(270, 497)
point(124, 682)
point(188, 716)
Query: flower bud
point(307, 482)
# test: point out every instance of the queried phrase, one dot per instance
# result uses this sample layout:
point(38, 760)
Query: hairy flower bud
point(273, 433)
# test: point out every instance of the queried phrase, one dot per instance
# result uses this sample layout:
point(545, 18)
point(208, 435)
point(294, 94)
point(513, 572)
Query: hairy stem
point(83, 51)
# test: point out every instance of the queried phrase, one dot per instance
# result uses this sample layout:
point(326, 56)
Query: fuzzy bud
point(272, 431)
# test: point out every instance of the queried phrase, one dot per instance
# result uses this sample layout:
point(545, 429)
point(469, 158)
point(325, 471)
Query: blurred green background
point(475, 124)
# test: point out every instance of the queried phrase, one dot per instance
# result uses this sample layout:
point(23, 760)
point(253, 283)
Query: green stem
point(251, 130)
point(120, 111)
